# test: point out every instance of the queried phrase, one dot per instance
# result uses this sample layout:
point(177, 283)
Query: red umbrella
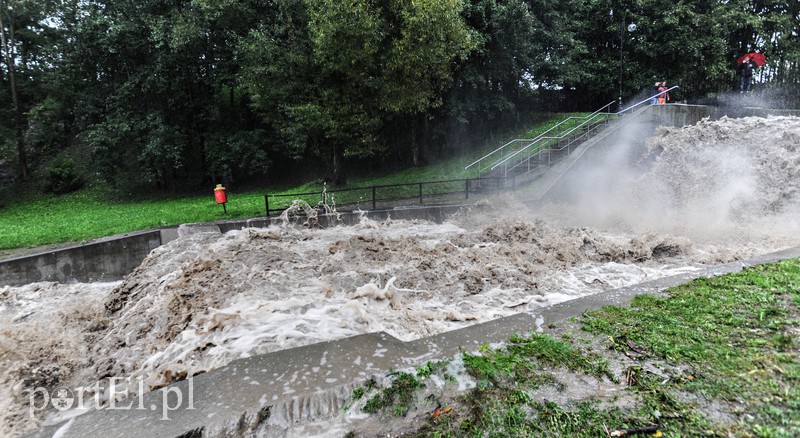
point(756, 57)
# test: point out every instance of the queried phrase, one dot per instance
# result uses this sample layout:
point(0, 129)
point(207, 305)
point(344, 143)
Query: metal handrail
point(537, 138)
point(590, 117)
point(526, 148)
point(499, 149)
point(541, 150)
point(601, 135)
point(465, 186)
point(648, 99)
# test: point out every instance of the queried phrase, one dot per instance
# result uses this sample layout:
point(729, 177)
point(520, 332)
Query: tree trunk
point(415, 152)
point(339, 178)
point(424, 140)
point(7, 40)
point(419, 144)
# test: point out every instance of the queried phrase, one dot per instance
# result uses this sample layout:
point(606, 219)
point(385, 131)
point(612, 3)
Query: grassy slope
point(715, 357)
point(88, 214)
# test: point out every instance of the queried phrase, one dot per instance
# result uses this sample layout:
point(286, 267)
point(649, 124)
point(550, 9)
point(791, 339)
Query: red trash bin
point(220, 196)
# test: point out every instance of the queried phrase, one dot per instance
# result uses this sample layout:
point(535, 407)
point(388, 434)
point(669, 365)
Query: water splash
point(300, 207)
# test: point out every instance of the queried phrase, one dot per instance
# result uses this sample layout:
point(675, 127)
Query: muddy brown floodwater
point(705, 194)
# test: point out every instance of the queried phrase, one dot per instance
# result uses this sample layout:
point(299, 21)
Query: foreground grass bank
point(715, 357)
point(91, 213)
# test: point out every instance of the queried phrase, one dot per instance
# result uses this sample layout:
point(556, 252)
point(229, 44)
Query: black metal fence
point(389, 196)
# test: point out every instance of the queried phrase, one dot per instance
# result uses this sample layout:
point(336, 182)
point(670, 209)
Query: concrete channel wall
point(106, 259)
point(112, 258)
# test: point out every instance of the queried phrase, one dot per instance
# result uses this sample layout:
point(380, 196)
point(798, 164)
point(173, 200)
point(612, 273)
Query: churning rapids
point(705, 194)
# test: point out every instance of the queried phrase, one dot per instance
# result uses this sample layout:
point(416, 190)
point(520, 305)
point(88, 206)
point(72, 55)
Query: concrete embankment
point(111, 258)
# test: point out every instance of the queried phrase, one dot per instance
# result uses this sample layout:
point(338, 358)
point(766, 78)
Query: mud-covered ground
point(706, 194)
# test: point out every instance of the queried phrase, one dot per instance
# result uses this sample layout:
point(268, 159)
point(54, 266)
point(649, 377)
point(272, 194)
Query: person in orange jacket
point(663, 96)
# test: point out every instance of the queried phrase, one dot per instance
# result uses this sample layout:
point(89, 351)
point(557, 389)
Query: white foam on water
point(206, 299)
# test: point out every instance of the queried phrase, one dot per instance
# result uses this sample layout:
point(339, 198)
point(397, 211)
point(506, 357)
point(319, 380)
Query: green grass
point(716, 357)
point(736, 335)
point(399, 395)
point(88, 214)
point(27, 222)
point(523, 359)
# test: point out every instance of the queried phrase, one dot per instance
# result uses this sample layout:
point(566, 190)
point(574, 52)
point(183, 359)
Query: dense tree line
point(179, 93)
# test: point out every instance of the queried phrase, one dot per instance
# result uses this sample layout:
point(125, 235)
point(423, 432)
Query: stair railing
point(503, 150)
point(544, 143)
point(525, 153)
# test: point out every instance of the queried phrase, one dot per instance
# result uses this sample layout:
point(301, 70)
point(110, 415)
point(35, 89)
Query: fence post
point(266, 203)
point(420, 193)
point(466, 188)
point(374, 205)
point(529, 159)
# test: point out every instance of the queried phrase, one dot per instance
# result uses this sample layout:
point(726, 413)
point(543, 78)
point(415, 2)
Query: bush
point(63, 177)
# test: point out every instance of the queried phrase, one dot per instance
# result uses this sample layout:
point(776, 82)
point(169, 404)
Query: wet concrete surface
point(251, 396)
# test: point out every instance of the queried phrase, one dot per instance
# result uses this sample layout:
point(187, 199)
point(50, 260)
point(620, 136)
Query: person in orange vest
point(663, 96)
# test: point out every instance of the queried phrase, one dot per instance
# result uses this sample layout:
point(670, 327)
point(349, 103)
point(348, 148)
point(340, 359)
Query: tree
point(161, 106)
point(674, 41)
point(12, 15)
point(354, 65)
point(280, 81)
point(770, 27)
point(432, 37)
point(177, 93)
point(522, 49)
point(8, 42)
point(385, 60)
